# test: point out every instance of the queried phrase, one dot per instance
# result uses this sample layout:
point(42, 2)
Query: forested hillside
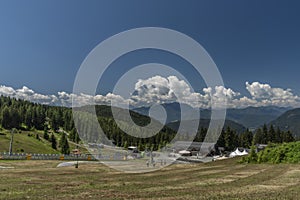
point(289, 121)
point(57, 126)
point(41, 126)
point(25, 115)
point(90, 132)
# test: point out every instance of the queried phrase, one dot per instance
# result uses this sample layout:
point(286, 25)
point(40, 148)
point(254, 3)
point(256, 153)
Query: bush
point(276, 153)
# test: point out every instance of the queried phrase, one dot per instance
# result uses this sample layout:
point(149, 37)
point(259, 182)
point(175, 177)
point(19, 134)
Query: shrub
point(276, 153)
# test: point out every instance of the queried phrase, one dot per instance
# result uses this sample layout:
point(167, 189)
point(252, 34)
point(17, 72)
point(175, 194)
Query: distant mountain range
point(250, 117)
point(254, 117)
point(204, 123)
point(173, 111)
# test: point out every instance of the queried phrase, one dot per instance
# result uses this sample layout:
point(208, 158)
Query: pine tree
point(5, 118)
point(28, 118)
point(264, 134)
point(55, 120)
point(245, 139)
point(230, 138)
point(252, 158)
point(72, 135)
point(37, 137)
point(287, 137)
point(46, 135)
point(278, 138)
point(53, 141)
point(258, 137)
point(221, 140)
point(77, 138)
point(15, 119)
point(64, 145)
point(271, 134)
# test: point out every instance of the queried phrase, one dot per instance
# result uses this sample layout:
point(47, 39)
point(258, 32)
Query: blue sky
point(43, 43)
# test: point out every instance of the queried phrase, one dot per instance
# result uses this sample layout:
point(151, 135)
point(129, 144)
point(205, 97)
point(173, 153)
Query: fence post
point(28, 157)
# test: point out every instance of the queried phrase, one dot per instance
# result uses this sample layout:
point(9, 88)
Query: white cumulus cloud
point(264, 94)
point(159, 90)
point(28, 94)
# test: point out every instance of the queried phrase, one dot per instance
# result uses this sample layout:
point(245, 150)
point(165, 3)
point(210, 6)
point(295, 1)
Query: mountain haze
point(250, 117)
point(204, 123)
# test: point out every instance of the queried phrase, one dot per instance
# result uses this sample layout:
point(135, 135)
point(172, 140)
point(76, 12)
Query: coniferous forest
point(24, 115)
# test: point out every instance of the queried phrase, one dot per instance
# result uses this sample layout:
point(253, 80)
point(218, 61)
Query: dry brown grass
point(218, 180)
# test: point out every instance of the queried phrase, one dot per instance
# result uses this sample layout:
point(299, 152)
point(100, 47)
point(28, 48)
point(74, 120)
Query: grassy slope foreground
point(217, 180)
point(25, 141)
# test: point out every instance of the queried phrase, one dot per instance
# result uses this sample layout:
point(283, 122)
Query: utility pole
point(11, 141)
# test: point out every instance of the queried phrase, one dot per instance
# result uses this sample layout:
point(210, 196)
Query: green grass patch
point(26, 141)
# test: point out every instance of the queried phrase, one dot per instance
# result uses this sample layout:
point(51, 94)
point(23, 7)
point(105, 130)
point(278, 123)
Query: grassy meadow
point(224, 179)
point(25, 141)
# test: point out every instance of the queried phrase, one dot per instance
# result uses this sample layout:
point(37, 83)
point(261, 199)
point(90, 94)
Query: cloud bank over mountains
point(159, 90)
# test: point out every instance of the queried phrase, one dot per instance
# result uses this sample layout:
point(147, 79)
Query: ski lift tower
point(11, 141)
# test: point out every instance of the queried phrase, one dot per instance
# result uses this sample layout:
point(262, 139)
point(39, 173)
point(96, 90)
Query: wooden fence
point(81, 157)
